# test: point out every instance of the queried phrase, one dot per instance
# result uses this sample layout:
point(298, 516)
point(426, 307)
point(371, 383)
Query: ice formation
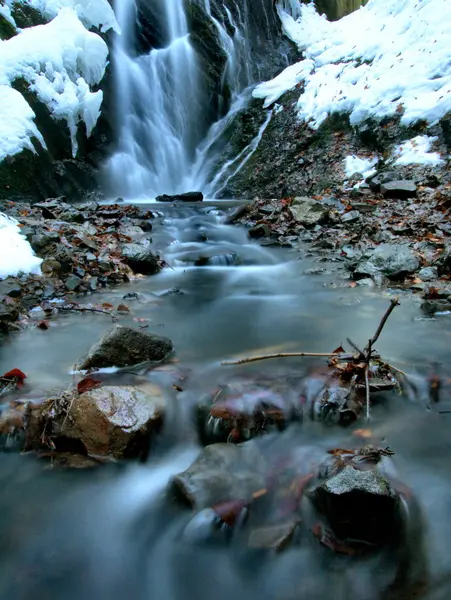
point(61, 61)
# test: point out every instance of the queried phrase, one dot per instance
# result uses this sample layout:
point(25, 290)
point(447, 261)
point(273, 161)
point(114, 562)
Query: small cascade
point(166, 144)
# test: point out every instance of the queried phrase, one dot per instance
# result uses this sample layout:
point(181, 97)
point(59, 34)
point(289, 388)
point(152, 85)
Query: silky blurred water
point(114, 532)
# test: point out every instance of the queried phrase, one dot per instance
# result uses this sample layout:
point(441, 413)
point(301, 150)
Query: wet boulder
point(106, 421)
point(309, 212)
point(186, 197)
point(360, 505)
point(221, 473)
point(400, 189)
point(140, 259)
point(124, 346)
point(393, 260)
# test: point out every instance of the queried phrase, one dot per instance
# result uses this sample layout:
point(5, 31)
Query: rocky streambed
point(241, 465)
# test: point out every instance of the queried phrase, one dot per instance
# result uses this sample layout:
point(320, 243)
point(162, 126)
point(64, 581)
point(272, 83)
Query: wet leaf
point(123, 308)
point(340, 451)
point(107, 306)
point(363, 433)
point(327, 538)
point(15, 374)
point(229, 511)
point(44, 325)
point(88, 383)
point(339, 350)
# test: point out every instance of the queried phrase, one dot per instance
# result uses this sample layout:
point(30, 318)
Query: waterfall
point(162, 100)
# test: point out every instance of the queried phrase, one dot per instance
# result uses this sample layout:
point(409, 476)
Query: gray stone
point(380, 178)
point(428, 273)
point(123, 346)
point(393, 260)
point(350, 479)
point(350, 217)
point(10, 287)
point(73, 283)
point(401, 189)
point(140, 259)
point(309, 212)
point(366, 282)
point(222, 472)
point(8, 314)
point(187, 197)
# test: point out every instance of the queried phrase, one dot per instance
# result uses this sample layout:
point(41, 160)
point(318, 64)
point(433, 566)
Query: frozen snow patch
point(16, 254)
point(361, 166)
point(387, 58)
point(92, 13)
point(416, 152)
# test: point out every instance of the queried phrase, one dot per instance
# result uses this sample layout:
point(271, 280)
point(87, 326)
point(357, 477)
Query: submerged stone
point(124, 346)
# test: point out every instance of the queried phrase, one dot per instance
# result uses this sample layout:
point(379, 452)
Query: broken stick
point(241, 361)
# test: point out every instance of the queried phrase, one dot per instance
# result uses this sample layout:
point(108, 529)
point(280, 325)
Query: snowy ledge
point(61, 61)
point(388, 58)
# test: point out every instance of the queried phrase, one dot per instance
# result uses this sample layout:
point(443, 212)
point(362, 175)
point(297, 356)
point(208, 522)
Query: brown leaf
point(88, 383)
point(44, 325)
point(123, 308)
point(15, 374)
point(339, 350)
point(107, 306)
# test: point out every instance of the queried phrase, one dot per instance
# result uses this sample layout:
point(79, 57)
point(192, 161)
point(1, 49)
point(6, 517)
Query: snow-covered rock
point(387, 58)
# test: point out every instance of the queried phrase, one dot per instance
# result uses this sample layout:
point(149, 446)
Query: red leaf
point(88, 383)
point(15, 374)
point(229, 511)
point(43, 325)
point(339, 350)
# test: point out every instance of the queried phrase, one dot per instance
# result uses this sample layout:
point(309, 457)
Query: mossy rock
point(7, 30)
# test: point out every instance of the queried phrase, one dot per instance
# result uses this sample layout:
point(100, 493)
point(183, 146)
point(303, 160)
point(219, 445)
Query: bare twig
point(373, 340)
point(367, 383)
point(87, 309)
point(241, 361)
point(356, 348)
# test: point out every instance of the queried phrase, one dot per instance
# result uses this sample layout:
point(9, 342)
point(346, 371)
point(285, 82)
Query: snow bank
point(60, 61)
point(92, 13)
point(361, 166)
point(16, 254)
point(416, 152)
point(389, 57)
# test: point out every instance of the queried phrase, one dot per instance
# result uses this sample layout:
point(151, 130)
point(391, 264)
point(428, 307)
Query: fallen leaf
point(339, 350)
point(107, 306)
point(44, 325)
point(88, 383)
point(15, 374)
point(123, 308)
point(363, 433)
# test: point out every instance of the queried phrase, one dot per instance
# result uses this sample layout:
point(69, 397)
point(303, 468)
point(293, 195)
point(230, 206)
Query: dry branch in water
point(241, 361)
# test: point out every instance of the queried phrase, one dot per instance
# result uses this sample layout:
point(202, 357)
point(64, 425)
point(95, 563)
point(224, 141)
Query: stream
point(114, 533)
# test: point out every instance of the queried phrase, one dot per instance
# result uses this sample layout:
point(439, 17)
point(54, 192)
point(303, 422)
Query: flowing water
point(166, 144)
point(116, 532)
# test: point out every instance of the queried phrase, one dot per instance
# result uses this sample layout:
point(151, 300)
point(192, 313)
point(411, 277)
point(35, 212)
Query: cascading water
point(158, 106)
point(165, 140)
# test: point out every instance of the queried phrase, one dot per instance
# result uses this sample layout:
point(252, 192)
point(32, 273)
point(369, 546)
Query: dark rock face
point(123, 346)
point(399, 189)
point(187, 197)
point(140, 259)
point(222, 472)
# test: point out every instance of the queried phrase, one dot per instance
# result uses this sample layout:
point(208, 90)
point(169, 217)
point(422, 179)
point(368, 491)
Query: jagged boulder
point(140, 259)
point(309, 212)
point(124, 346)
point(107, 421)
point(393, 260)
